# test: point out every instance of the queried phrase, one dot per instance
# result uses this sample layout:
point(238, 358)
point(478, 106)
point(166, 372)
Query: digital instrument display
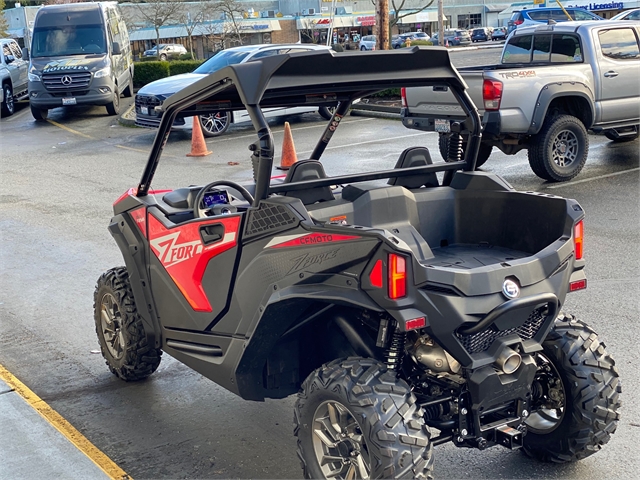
point(216, 197)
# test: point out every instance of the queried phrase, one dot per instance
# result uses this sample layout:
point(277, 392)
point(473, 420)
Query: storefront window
point(470, 20)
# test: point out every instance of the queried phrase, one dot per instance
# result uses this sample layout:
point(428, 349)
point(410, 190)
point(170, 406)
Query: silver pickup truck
point(14, 68)
point(553, 84)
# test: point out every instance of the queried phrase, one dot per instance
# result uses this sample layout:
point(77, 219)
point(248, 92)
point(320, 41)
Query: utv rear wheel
point(559, 151)
point(120, 330)
point(483, 154)
point(575, 395)
point(355, 419)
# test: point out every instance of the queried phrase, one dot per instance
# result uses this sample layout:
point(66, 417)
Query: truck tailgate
point(440, 102)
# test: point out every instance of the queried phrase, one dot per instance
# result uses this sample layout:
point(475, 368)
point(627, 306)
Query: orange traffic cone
point(198, 146)
point(289, 156)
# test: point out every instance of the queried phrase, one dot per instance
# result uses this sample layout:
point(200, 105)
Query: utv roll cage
point(322, 78)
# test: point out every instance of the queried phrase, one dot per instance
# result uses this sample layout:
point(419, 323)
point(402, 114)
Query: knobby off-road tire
point(590, 387)
point(559, 151)
point(120, 330)
point(483, 153)
point(385, 425)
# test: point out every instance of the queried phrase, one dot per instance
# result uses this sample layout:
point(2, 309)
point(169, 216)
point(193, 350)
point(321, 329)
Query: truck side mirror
point(115, 49)
point(25, 54)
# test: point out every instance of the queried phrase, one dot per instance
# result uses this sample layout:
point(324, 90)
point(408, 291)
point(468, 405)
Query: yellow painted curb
point(63, 426)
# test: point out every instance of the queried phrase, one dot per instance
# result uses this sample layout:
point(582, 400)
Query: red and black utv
point(406, 308)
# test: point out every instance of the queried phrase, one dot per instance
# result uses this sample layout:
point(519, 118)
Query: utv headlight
point(105, 72)
point(33, 77)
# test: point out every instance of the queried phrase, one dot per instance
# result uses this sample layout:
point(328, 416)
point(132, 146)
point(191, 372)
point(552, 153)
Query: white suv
point(150, 97)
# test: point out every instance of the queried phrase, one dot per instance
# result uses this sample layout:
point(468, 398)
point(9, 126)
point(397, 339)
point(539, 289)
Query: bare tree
point(232, 11)
point(398, 5)
point(158, 13)
point(4, 26)
point(191, 22)
point(384, 31)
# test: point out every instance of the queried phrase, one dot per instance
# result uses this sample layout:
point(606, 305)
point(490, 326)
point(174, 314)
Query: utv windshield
point(68, 40)
point(221, 60)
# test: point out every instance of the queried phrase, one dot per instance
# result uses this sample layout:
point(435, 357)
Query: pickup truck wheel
point(121, 334)
point(559, 151)
point(40, 114)
point(355, 419)
point(483, 154)
point(8, 105)
point(113, 108)
point(214, 124)
point(575, 395)
point(621, 138)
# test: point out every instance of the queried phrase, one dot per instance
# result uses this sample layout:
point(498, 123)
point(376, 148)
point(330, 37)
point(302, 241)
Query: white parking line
point(594, 178)
point(16, 116)
point(368, 141)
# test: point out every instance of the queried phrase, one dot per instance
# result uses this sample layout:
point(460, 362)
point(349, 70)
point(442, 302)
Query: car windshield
point(68, 40)
point(221, 60)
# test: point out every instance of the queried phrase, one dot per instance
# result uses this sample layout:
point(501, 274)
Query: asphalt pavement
point(59, 180)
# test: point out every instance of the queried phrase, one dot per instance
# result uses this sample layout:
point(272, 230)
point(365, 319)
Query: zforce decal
point(305, 240)
point(185, 257)
point(306, 260)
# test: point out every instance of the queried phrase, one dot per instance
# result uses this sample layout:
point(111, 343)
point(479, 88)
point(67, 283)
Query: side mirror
point(9, 59)
point(25, 54)
point(115, 48)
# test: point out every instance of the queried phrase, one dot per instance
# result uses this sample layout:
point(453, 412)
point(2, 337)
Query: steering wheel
point(199, 211)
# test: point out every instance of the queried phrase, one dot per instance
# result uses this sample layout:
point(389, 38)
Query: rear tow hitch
point(509, 437)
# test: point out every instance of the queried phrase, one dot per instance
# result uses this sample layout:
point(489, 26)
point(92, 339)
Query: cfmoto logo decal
point(170, 252)
point(66, 80)
point(510, 289)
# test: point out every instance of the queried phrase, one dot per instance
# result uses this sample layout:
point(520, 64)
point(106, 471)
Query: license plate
point(144, 110)
point(442, 125)
point(69, 101)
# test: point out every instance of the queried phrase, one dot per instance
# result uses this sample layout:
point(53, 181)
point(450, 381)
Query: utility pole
point(382, 25)
point(440, 23)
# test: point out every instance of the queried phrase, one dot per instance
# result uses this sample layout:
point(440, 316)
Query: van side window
point(518, 50)
point(565, 48)
point(619, 44)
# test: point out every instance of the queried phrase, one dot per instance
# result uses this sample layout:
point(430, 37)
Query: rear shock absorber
point(395, 353)
point(455, 144)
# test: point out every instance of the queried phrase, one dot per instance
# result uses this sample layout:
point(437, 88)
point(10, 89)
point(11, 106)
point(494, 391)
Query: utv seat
point(308, 170)
point(415, 157)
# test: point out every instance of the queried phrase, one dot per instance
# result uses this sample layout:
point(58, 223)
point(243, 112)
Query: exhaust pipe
point(509, 361)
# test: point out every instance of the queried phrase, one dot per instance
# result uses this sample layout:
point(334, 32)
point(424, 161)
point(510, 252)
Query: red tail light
point(491, 94)
point(397, 276)
point(578, 232)
point(403, 96)
point(518, 22)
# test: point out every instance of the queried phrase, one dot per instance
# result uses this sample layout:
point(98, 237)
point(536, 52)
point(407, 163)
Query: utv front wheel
point(575, 395)
point(120, 330)
point(355, 419)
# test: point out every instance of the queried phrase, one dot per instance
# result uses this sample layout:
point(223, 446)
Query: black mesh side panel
point(481, 341)
point(269, 218)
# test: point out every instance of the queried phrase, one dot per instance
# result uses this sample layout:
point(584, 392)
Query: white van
point(80, 55)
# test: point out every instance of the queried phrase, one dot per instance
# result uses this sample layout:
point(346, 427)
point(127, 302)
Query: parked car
point(499, 33)
point(454, 37)
point(166, 51)
point(398, 40)
point(480, 34)
point(535, 16)
point(368, 42)
point(633, 14)
point(150, 97)
point(14, 68)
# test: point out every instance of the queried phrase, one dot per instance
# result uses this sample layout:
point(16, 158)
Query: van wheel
point(128, 91)
point(8, 106)
point(40, 114)
point(113, 108)
point(483, 154)
point(559, 151)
